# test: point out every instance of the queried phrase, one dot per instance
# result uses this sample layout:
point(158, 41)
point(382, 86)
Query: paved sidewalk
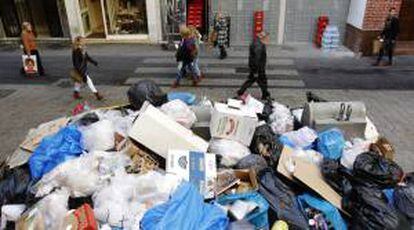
point(26, 106)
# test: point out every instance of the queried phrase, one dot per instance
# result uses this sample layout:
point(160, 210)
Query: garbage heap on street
point(170, 161)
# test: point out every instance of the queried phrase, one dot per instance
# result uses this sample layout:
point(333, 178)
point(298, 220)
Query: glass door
point(125, 18)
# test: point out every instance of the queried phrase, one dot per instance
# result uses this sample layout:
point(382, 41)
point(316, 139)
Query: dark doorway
point(52, 18)
point(9, 17)
point(407, 21)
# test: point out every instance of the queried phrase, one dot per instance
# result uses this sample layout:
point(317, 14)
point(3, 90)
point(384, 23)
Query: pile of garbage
point(166, 161)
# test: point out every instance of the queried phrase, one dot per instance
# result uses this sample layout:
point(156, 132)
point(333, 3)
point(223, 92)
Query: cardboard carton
point(233, 124)
point(196, 167)
point(159, 133)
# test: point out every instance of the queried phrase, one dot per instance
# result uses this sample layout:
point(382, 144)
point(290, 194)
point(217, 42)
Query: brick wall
point(377, 11)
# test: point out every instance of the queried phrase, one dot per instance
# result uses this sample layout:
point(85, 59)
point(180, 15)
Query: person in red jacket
point(29, 43)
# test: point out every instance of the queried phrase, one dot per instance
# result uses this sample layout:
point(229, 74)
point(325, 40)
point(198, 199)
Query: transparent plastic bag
point(352, 150)
point(180, 112)
point(99, 136)
point(302, 138)
point(54, 208)
point(281, 119)
point(126, 198)
point(231, 151)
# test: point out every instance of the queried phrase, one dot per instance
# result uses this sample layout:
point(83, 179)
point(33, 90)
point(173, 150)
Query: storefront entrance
point(114, 19)
point(45, 16)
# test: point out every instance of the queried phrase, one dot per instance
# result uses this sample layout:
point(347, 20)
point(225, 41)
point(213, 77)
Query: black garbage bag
point(369, 209)
point(14, 184)
point(372, 169)
point(404, 197)
point(254, 161)
point(267, 111)
point(336, 176)
point(88, 119)
point(282, 200)
point(146, 90)
point(266, 144)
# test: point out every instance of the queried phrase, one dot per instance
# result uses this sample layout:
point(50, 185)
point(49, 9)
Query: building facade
point(155, 21)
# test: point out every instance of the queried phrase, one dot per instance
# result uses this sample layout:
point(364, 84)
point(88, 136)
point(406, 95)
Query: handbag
point(76, 76)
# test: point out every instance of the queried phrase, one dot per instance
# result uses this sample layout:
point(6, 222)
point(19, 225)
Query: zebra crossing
point(227, 73)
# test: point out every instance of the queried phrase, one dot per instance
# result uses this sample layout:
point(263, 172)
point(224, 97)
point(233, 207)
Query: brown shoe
point(98, 96)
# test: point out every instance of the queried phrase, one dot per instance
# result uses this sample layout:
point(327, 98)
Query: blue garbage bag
point(258, 217)
point(55, 149)
point(329, 211)
point(331, 143)
point(187, 98)
point(185, 210)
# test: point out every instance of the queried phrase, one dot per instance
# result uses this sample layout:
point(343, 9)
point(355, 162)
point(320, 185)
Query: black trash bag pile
point(337, 176)
point(282, 200)
point(265, 144)
point(371, 169)
point(14, 185)
point(370, 210)
point(146, 90)
point(404, 197)
point(252, 161)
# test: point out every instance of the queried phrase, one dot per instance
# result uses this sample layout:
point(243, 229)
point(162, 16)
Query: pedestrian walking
point(80, 74)
point(222, 34)
point(29, 45)
point(197, 39)
point(257, 65)
point(186, 53)
point(388, 37)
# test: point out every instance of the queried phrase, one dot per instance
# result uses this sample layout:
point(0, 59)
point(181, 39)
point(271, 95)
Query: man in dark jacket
point(388, 36)
point(257, 65)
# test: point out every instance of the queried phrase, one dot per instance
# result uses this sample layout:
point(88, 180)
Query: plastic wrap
point(82, 176)
point(331, 143)
point(180, 112)
point(54, 208)
point(231, 151)
point(352, 150)
point(53, 150)
point(123, 202)
point(302, 138)
point(281, 119)
point(99, 136)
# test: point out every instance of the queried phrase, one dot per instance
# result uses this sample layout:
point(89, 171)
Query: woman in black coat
point(80, 74)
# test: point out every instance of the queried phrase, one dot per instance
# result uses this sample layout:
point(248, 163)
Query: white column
point(282, 20)
point(357, 13)
point(75, 19)
point(154, 20)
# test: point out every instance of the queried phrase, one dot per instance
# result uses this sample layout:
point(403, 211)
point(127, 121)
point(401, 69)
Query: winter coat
point(257, 56)
point(222, 31)
point(80, 61)
point(187, 51)
point(391, 28)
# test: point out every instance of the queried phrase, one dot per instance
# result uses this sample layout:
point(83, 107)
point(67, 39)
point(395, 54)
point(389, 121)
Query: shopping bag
point(29, 64)
point(76, 76)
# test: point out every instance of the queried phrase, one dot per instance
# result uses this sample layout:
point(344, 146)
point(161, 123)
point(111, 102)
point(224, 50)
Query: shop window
point(126, 17)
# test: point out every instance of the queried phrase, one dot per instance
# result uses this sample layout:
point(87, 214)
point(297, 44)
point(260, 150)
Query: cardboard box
point(248, 176)
point(159, 133)
point(196, 167)
point(229, 179)
point(233, 124)
point(310, 175)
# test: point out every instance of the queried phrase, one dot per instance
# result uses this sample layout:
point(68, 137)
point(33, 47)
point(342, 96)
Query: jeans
point(190, 67)
point(388, 47)
point(197, 70)
point(261, 81)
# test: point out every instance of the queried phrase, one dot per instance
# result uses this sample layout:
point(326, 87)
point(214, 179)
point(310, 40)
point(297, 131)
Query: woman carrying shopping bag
point(79, 73)
point(29, 46)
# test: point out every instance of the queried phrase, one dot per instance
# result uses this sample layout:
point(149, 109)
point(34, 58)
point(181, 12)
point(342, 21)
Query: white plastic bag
point(124, 201)
point(352, 150)
point(371, 132)
point(180, 112)
point(301, 138)
point(281, 119)
point(54, 208)
point(311, 156)
point(11, 212)
point(99, 136)
point(82, 176)
point(231, 151)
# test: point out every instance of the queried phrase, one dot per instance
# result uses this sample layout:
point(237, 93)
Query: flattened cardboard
point(35, 136)
point(159, 133)
point(309, 174)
